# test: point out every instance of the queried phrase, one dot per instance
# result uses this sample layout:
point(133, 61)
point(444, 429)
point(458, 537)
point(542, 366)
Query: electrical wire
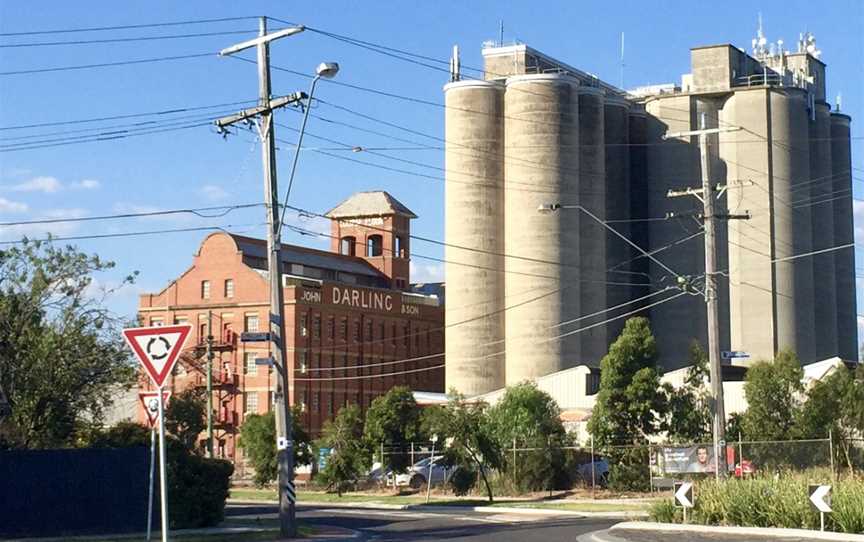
point(123, 40)
point(52, 239)
point(225, 209)
point(124, 27)
point(106, 64)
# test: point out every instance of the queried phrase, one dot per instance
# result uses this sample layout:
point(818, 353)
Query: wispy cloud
point(47, 184)
point(7, 206)
point(427, 272)
point(214, 193)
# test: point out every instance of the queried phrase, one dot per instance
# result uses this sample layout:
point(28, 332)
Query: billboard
point(691, 459)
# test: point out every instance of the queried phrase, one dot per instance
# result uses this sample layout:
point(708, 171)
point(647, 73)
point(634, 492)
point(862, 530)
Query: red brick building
point(353, 328)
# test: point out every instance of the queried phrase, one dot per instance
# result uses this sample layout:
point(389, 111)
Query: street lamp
point(327, 70)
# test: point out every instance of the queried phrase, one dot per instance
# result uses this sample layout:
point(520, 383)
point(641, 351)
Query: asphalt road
point(410, 525)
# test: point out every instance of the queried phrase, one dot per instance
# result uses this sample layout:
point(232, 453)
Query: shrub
point(463, 480)
point(665, 512)
point(197, 486)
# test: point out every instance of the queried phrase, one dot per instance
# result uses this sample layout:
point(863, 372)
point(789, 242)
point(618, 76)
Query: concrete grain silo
point(474, 225)
point(844, 234)
point(541, 130)
point(639, 232)
point(618, 193)
point(813, 196)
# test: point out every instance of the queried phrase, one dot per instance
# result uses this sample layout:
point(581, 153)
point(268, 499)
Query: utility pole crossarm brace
point(246, 114)
point(261, 40)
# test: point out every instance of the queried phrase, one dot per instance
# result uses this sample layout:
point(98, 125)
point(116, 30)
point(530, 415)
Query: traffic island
point(631, 531)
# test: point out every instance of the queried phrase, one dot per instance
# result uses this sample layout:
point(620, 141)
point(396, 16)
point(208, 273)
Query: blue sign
point(254, 337)
point(323, 454)
point(734, 354)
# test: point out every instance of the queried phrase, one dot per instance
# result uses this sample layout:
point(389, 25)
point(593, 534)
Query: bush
point(665, 512)
point(197, 486)
point(463, 481)
point(771, 501)
point(628, 469)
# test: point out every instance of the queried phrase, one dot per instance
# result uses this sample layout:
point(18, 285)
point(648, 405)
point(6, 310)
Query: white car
point(418, 473)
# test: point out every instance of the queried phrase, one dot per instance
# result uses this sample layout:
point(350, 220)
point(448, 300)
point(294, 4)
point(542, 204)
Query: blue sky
point(197, 168)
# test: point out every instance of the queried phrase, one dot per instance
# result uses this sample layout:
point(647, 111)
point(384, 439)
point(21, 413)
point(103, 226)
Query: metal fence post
point(741, 454)
point(650, 471)
point(593, 471)
point(831, 450)
point(412, 453)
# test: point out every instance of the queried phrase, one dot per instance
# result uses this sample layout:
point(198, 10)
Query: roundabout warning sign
point(157, 348)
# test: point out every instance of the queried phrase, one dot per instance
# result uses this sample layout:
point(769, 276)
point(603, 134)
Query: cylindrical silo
point(844, 234)
point(790, 168)
point(474, 224)
point(618, 194)
point(592, 235)
point(815, 196)
point(541, 130)
point(639, 231)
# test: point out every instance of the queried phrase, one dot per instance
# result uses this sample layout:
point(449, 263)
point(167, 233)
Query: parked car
point(601, 472)
point(380, 475)
point(417, 474)
point(743, 468)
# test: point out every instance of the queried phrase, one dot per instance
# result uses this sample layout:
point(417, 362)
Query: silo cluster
point(549, 170)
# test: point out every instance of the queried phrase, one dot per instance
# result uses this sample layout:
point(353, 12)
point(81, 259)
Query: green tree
point(258, 440)
point(349, 458)
point(393, 418)
point(530, 417)
point(834, 406)
point(185, 417)
point(61, 353)
point(771, 390)
point(467, 433)
point(630, 404)
point(689, 418)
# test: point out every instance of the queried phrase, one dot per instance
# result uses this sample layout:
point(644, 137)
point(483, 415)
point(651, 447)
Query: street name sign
point(734, 354)
point(157, 348)
point(254, 336)
point(684, 494)
point(150, 400)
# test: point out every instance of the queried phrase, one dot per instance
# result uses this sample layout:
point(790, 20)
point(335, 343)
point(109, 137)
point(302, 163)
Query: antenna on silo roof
point(500, 32)
point(455, 65)
point(622, 61)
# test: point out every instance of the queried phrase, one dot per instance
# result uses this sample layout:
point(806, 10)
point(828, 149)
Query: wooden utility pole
point(263, 115)
point(707, 194)
point(209, 384)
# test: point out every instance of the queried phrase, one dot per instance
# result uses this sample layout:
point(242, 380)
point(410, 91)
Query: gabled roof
point(322, 259)
point(377, 203)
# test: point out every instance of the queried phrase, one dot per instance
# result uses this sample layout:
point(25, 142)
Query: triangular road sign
point(150, 400)
point(157, 348)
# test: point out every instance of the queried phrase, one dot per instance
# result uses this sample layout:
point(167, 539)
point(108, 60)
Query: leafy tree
point(630, 404)
point(532, 418)
point(835, 406)
point(393, 418)
point(771, 390)
point(258, 440)
point(185, 416)
point(350, 457)
point(61, 349)
point(689, 418)
point(471, 444)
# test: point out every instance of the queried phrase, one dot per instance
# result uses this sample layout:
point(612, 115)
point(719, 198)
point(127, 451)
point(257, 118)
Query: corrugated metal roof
point(257, 248)
point(377, 203)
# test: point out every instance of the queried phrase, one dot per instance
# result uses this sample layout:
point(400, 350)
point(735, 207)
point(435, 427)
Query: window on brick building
point(304, 324)
point(316, 401)
point(374, 245)
point(344, 329)
point(369, 330)
point(157, 321)
point(250, 402)
point(331, 326)
point(205, 289)
point(381, 331)
point(406, 338)
point(229, 287)
point(356, 331)
point(400, 251)
point(249, 363)
point(250, 322)
point(346, 246)
point(304, 360)
point(316, 326)
point(393, 334)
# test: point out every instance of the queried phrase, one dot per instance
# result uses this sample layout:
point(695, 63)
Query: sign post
point(151, 408)
point(158, 349)
point(684, 496)
point(820, 499)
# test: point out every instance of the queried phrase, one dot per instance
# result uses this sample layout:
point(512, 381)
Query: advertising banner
point(691, 459)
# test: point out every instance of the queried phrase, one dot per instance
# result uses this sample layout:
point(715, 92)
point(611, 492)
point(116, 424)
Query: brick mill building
point(353, 326)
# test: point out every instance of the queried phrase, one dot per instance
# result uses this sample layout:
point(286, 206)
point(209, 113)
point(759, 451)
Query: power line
point(123, 27)
point(123, 40)
point(106, 64)
point(197, 211)
point(52, 239)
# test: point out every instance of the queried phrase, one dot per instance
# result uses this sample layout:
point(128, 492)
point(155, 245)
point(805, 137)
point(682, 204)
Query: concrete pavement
point(663, 532)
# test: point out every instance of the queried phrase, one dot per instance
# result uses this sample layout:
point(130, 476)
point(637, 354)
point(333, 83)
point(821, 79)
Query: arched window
point(374, 245)
point(346, 247)
point(401, 251)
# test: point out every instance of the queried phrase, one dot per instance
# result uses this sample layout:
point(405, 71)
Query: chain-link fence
point(635, 467)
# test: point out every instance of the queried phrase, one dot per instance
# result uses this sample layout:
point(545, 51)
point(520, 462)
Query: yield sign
point(157, 348)
point(684, 494)
point(150, 400)
point(820, 497)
